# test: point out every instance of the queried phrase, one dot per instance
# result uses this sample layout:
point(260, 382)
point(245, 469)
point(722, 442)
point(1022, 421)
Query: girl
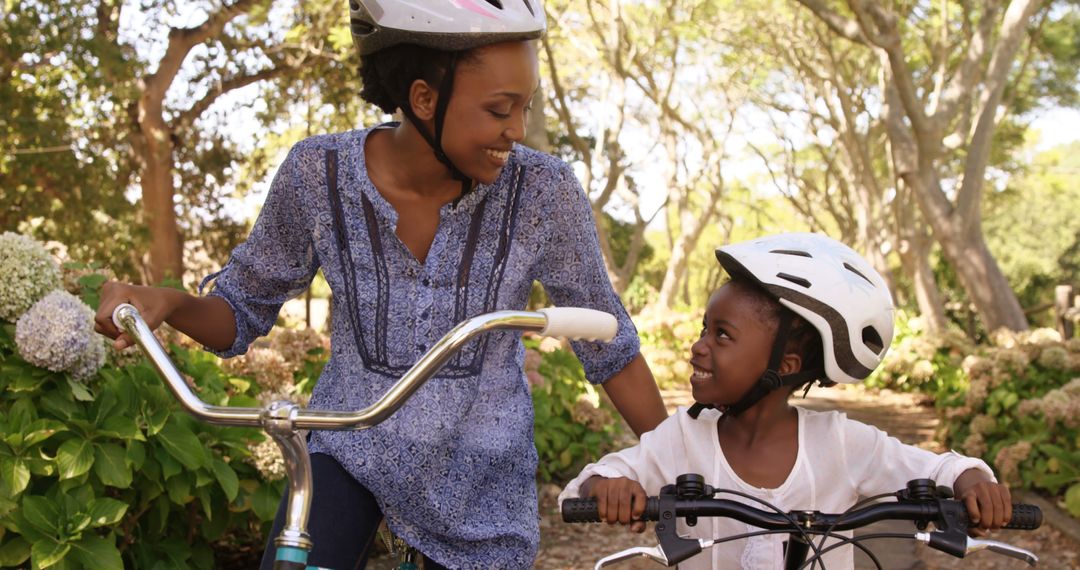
point(418, 225)
point(798, 308)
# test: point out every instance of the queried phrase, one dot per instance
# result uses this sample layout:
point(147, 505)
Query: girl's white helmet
point(451, 25)
point(829, 285)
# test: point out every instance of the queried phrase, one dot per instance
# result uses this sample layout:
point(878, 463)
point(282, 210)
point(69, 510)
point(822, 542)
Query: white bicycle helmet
point(829, 285)
point(451, 25)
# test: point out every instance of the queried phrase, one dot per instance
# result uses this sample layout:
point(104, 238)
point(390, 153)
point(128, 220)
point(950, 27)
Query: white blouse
point(839, 461)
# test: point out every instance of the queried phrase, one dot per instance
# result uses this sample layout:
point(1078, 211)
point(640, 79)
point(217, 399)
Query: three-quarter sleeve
point(572, 271)
point(276, 263)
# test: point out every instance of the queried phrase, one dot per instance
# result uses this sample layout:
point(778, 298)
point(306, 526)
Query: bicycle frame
point(282, 419)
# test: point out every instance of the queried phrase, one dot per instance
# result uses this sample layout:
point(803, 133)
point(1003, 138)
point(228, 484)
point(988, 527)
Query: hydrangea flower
point(91, 361)
point(57, 333)
point(27, 273)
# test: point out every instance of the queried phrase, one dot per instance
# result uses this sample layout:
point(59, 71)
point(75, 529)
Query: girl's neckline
point(788, 481)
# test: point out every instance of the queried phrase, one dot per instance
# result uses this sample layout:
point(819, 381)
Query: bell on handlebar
point(692, 486)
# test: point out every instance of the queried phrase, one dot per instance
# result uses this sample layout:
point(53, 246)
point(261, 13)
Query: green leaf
point(169, 465)
point(15, 475)
point(110, 465)
point(136, 454)
point(41, 513)
point(97, 552)
point(226, 477)
point(182, 444)
point(48, 552)
point(21, 414)
point(203, 493)
point(14, 552)
point(265, 502)
point(92, 281)
point(120, 427)
point(40, 431)
point(179, 489)
point(105, 511)
point(1072, 500)
point(74, 457)
point(80, 391)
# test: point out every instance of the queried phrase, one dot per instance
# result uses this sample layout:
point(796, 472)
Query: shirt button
point(423, 348)
point(425, 281)
point(424, 315)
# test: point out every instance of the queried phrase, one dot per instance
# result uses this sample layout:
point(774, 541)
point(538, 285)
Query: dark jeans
point(344, 519)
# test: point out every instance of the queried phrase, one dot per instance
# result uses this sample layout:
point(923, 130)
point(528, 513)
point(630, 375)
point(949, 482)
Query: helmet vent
point(856, 272)
point(792, 252)
point(361, 28)
point(794, 279)
point(529, 6)
point(871, 338)
point(496, 3)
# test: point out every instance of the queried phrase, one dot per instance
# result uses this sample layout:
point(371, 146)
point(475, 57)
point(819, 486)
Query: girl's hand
point(989, 504)
point(155, 304)
point(619, 500)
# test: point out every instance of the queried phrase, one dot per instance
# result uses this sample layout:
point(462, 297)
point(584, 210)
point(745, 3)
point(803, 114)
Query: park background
point(138, 140)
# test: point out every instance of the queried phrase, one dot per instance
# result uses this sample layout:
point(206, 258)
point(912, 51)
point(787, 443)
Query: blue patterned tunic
point(454, 469)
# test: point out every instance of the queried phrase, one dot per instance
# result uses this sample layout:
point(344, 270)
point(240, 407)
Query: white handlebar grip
point(576, 323)
point(116, 314)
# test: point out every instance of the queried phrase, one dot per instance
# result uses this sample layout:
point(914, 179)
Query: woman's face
point(489, 107)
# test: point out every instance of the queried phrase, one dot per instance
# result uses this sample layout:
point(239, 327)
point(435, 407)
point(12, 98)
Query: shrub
point(1015, 403)
point(111, 473)
point(572, 424)
point(666, 337)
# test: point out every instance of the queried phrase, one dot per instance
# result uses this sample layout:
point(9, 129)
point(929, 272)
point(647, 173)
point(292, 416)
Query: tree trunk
point(979, 274)
point(166, 244)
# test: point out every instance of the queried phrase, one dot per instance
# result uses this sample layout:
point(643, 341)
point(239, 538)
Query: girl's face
point(489, 107)
point(733, 349)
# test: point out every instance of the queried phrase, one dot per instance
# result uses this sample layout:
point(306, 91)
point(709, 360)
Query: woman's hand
point(155, 304)
point(989, 504)
point(619, 500)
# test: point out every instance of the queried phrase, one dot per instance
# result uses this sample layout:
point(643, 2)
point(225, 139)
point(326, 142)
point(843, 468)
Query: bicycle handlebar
point(560, 321)
point(922, 502)
point(1024, 517)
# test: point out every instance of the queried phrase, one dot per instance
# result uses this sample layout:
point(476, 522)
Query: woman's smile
point(497, 156)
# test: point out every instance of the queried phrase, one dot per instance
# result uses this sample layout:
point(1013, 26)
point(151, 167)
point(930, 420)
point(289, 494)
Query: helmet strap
point(770, 380)
point(435, 142)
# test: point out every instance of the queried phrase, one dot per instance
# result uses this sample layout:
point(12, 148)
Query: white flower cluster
point(57, 333)
point(266, 457)
point(27, 273)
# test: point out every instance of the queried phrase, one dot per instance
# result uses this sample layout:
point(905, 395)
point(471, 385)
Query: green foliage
point(1015, 403)
point(118, 475)
point(572, 424)
point(918, 361)
point(1044, 196)
point(666, 337)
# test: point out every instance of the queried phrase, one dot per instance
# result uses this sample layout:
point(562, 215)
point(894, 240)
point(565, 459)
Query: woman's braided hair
point(388, 74)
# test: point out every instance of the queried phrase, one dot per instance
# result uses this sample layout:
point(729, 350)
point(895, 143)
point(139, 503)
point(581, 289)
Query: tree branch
point(969, 197)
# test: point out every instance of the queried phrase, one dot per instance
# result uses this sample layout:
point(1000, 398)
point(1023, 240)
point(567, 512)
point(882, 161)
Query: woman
point(418, 225)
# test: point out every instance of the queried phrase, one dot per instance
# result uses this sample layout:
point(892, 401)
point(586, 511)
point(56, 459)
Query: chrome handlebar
point(573, 322)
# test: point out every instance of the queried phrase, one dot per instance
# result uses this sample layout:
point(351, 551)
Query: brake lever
point(948, 542)
point(977, 544)
point(654, 553)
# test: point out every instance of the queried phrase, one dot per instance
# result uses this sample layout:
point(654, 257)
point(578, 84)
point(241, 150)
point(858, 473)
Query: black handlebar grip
point(580, 511)
point(1025, 517)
